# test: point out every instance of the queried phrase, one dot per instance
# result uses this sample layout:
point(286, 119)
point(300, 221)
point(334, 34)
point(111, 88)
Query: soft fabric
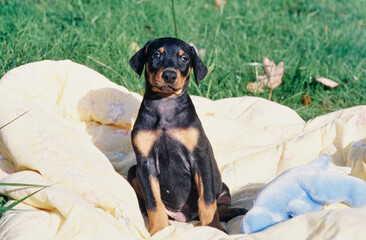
point(301, 190)
point(75, 138)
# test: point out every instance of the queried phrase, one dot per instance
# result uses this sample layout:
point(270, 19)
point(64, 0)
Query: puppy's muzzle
point(169, 76)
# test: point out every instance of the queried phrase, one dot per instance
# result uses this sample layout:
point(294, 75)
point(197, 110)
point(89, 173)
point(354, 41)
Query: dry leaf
point(134, 46)
point(271, 79)
point(327, 82)
point(268, 65)
point(306, 99)
point(218, 4)
point(257, 87)
point(273, 72)
point(263, 80)
point(253, 87)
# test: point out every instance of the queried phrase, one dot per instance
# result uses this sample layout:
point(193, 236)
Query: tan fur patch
point(206, 212)
point(179, 83)
point(188, 136)
point(144, 140)
point(161, 50)
point(155, 79)
point(181, 52)
point(158, 218)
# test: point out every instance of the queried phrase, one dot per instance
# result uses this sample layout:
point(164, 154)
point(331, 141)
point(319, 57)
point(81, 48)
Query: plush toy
point(303, 189)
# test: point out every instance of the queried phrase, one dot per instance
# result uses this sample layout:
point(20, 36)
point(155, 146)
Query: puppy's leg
point(223, 202)
point(207, 208)
point(149, 183)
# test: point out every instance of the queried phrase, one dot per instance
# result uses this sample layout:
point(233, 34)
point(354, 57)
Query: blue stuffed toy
point(301, 190)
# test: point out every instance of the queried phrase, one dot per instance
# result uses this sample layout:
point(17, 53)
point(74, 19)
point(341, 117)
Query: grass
point(10, 207)
point(314, 38)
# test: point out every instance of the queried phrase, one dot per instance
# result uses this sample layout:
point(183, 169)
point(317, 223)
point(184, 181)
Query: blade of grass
point(210, 69)
point(11, 206)
point(174, 20)
point(21, 185)
point(4, 209)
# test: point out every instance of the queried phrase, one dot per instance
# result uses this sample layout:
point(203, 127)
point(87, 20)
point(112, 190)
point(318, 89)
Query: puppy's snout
point(169, 76)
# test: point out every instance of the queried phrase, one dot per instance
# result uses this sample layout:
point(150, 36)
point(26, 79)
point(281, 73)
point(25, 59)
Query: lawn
point(313, 38)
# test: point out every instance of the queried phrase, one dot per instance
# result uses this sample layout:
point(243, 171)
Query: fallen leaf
point(134, 46)
point(327, 82)
point(306, 99)
point(268, 65)
point(218, 4)
point(253, 87)
point(257, 87)
point(263, 79)
point(271, 79)
point(273, 72)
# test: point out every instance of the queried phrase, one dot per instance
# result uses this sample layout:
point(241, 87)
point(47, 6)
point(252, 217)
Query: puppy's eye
point(156, 55)
point(184, 59)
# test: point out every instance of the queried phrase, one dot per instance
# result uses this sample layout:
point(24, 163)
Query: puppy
point(176, 173)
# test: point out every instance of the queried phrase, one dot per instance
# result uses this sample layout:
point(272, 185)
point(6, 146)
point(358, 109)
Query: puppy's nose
point(169, 76)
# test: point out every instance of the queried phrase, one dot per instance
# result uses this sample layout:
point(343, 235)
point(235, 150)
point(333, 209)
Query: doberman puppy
point(176, 173)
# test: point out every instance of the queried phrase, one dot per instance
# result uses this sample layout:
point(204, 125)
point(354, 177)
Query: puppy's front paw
point(158, 221)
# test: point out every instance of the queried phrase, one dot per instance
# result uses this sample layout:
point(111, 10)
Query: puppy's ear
point(137, 61)
point(199, 68)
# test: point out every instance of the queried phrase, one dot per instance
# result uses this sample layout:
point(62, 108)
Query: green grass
point(10, 207)
point(313, 38)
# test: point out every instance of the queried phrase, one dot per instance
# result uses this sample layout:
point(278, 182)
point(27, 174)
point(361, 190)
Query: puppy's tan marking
point(181, 79)
point(158, 80)
point(181, 52)
point(155, 79)
point(158, 217)
point(161, 50)
point(188, 136)
point(207, 212)
point(144, 140)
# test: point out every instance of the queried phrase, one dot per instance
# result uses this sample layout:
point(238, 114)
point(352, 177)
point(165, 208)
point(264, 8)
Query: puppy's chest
point(162, 141)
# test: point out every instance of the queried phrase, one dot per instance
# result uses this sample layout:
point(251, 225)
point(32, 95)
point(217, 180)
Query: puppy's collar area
point(157, 95)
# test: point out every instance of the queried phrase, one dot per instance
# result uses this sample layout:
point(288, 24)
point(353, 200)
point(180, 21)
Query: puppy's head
point(168, 63)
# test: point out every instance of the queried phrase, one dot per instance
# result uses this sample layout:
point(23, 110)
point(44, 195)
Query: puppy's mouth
point(166, 89)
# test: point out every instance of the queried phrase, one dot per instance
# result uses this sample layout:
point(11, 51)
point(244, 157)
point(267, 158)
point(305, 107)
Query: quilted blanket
point(74, 136)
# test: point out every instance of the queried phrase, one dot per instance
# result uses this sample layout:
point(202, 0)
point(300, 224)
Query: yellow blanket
point(75, 138)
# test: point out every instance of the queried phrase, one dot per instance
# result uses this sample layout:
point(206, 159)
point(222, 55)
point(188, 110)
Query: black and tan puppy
point(176, 172)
